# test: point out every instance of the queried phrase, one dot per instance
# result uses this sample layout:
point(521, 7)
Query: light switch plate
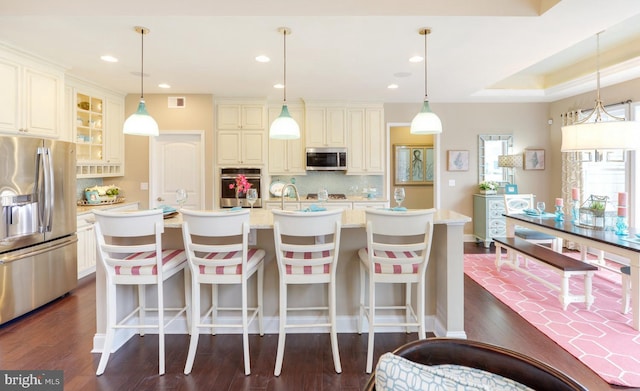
point(452, 182)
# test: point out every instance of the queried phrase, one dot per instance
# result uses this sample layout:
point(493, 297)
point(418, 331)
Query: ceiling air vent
point(177, 102)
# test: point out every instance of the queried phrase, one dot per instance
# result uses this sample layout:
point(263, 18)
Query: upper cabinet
point(241, 139)
point(325, 125)
point(287, 157)
point(366, 141)
point(32, 95)
point(97, 117)
point(240, 116)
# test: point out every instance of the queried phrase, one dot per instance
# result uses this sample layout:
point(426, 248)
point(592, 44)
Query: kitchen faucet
point(284, 193)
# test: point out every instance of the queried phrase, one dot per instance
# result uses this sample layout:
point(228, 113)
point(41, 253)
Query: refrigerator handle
point(43, 188)
point(48, 189)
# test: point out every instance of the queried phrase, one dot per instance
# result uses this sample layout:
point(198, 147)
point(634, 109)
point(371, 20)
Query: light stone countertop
point(263, 219)
point(86, 209)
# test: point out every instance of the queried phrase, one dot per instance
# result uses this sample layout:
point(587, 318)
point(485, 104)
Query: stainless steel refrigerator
point(38, 256)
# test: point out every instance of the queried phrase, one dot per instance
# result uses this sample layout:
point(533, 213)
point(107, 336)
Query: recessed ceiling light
point(416, 59)
point(402, 74)
point(392, 86)
point(164, 85)
point(108, 58)
point(278, 86)
point(263, 59)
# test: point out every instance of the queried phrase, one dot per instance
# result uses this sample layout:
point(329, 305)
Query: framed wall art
point(457, 160)
point(534, 159)
point(414, 164)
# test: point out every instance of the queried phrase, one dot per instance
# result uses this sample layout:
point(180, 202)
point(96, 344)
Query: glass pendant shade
point(141, 123)
point(426, 121)
point(284, 127)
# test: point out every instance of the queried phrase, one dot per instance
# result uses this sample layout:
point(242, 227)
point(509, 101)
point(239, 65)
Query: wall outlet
point(144, 185)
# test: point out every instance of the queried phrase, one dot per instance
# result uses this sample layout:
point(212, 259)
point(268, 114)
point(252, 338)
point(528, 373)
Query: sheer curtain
point(571, 173)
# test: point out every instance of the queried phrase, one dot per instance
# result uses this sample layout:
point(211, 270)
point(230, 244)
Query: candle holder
point(622, 229)
point(575, 212)
point(559, 213)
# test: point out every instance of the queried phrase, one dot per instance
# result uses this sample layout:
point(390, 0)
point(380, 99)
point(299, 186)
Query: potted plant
point(488, 187)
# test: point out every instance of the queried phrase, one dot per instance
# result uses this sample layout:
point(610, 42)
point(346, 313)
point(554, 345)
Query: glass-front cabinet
point(89, 130)
point(96, 116)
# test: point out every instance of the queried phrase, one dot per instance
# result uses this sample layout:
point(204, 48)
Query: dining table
point(625, 246)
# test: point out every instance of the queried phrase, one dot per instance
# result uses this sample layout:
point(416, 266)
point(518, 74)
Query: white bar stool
point(307, 245)
point(398, 248)
point(228, 261)
point(141, 261)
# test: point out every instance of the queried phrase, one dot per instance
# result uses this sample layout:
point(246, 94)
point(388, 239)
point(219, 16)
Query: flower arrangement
point(241, 185)
point(488, 185)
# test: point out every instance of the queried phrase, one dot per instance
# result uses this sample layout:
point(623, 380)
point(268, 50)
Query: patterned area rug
point(602, 338)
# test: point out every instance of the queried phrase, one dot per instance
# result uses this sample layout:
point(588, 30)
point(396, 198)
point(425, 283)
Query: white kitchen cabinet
point(87, 249)
point(370, 204)
point(240, 116)
point(32, 95)
point(287, 157)
point(240, 133)
point(288, 205)
point(488, 219)
point(97, 115)
point(241, 147)
point(325, 126)
point(328, 205)
point(366, 141)
point(87, 255)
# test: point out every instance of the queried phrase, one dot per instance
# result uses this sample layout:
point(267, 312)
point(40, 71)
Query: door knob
point(160, 199)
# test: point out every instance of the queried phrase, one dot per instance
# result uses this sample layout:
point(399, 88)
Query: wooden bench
point(564, 265)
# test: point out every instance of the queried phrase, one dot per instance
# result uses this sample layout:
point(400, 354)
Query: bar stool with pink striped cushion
point(130, 250)
point(217, 244)
point(398, 248)
point(307, 246)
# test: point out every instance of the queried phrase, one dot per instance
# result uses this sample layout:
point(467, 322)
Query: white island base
point(445, 281)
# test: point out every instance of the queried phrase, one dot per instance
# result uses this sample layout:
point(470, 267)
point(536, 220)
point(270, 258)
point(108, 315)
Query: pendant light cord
point(285, 65)
point(142, 66)
point(425, 65)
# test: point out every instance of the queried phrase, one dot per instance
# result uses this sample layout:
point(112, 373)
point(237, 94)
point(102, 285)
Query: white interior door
point(176, 161)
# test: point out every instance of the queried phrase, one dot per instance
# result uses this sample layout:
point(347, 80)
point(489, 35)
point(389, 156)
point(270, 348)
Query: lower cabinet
point(370, 204)
point(87, 255)
point(87, 250)
point(488, 219)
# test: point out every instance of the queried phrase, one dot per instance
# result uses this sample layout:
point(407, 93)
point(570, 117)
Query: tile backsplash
point(333, 181)
point(83, 183)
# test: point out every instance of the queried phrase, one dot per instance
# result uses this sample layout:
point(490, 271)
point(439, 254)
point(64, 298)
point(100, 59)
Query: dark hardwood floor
point(60, 335)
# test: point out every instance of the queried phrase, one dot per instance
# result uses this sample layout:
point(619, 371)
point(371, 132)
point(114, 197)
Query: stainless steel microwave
point(326, 159)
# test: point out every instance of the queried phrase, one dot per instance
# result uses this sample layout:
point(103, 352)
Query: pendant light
point(284, 127)
point(141, 123)
point(426, 121)
point(594, 133)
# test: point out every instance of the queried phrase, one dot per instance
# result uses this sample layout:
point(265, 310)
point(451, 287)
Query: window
point(606, 173)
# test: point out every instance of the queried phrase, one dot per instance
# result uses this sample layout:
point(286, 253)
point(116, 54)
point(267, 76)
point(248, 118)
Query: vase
point(488, 191)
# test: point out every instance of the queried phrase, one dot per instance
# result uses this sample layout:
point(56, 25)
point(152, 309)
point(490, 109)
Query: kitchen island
point(445, 278)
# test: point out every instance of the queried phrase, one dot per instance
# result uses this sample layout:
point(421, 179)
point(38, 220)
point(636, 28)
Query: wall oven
point(228, 196)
